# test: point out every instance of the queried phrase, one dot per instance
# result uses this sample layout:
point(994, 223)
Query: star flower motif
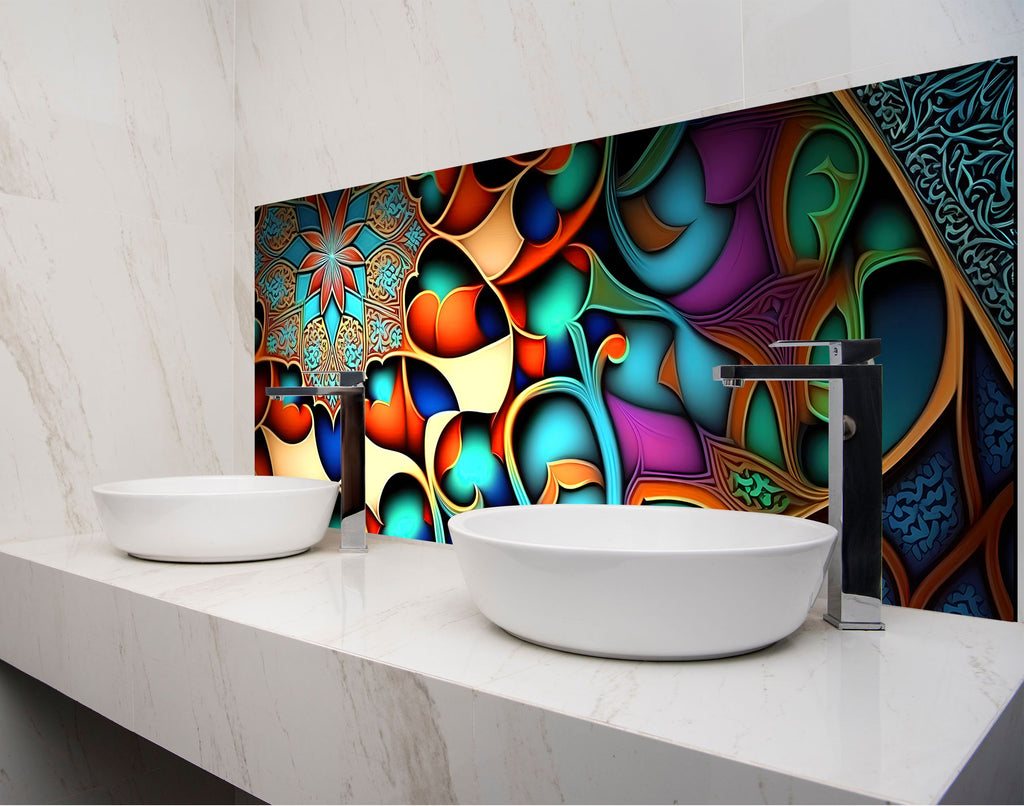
point(333, 257)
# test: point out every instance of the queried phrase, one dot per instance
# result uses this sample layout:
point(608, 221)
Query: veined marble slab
point(373, 678)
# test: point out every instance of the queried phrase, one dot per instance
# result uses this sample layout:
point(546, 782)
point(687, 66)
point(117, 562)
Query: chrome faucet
point(353, 464)
point(854, 469)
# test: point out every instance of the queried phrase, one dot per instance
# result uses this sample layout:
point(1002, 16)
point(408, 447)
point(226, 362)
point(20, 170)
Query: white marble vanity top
point(241, 667)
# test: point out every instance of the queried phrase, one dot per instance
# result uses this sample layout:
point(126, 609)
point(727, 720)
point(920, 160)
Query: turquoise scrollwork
point(953, 132)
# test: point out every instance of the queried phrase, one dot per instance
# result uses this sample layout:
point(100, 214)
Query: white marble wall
point(334, 94)
point(116, 308)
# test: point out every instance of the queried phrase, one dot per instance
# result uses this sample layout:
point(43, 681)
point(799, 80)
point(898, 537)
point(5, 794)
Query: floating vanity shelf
point(372, 678)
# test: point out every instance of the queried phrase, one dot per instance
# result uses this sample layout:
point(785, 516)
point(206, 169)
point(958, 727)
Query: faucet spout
point(855, 469)
point(736, 374)
point(349, 388)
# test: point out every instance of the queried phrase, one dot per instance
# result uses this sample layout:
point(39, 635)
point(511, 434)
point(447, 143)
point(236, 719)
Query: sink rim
point(273, 485)
point(816, 532)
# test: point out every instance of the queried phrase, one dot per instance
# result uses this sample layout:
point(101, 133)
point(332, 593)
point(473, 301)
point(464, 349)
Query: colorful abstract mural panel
point(542, 328)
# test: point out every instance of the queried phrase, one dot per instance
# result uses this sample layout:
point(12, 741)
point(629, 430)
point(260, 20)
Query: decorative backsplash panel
point(542, 328)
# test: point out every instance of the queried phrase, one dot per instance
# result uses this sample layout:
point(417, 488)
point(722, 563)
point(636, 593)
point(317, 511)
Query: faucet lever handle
point(841, 351)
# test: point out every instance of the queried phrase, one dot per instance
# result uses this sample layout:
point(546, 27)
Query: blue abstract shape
point(536, 217)
point(367, 241)
point(966, 599)
point(924, 512)
point(380, 381)
point(906, 309)
point(403, 509)
point(358, 206)
point(328, 441)
point(888, 589)
point(490, 318)
point(296, 251)
point(431, 392)
point(995, 416)
point(308, 216)
point(676, 195)
point(561, 358)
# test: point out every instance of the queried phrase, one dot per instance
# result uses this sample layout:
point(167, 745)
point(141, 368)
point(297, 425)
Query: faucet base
point(853, 625)
point(353, 531)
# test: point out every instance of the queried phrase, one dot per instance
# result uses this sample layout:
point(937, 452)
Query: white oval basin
point(210, 519)
point(641, 582)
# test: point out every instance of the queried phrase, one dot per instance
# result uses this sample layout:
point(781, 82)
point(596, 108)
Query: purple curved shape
point(653, 442)
point(734, 156)
point(744, 262)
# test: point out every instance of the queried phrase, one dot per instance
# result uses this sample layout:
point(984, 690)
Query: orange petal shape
point(530, 353)
point(422, 321)
point(397, 425)
point(460, 334)
point(449, 447)
point(568, 474)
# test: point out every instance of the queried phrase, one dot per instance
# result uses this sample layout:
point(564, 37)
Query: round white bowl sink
point(642, 582)
point(211, 519)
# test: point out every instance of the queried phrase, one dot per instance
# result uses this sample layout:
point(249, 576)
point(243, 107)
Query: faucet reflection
point(854, 469)
point(353, 432)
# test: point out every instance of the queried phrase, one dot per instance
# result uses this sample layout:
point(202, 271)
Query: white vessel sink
point(210, 519)
point(646, 583)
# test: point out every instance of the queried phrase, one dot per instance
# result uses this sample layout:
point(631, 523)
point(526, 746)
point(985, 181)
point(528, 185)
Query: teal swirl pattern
point(954, 135)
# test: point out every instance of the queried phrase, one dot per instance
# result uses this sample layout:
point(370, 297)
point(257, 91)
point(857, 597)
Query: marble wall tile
point(810, 46)
point(332, 95)
point(122, 106)
point(243, 348)
point(325, 92)
point(523, 75)
point(428, 84)
point(115, 338)
point(116, 141)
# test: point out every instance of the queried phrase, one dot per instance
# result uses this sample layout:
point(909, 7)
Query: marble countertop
point(329, 677)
